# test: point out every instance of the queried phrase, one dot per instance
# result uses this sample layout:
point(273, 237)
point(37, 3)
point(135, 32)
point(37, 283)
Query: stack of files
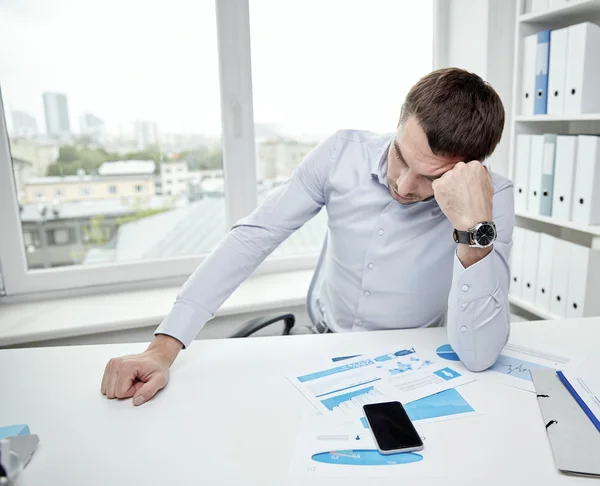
point(574, 440)
point(584, 385)
point(558, 176)
point(556, 276)
point(560, 71)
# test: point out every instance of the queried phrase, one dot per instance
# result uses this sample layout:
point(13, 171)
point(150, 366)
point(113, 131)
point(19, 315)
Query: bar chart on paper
point(354, 400)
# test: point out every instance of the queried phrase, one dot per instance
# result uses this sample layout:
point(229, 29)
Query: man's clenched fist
point(465, 194)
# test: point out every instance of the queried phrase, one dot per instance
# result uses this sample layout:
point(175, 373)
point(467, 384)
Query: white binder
point(584, 282)
point(544, 274)
point(564, 175)
point(530, 265)
point(516, 262)
point(560, 277)
point(547, 187)
point(574, 440)
point(528, 74)
point(586, 189)
point(539, 5)
point(536, 161)
point(583, 69)
point(552, 4)
point(557, 71)
point(521, 178)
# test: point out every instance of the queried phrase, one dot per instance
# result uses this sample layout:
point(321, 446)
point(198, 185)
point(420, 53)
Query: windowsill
point(61, 318)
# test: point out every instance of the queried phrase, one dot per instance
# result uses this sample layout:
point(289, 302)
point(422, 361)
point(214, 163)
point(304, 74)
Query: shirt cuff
point(184, 322)
point(477, 281)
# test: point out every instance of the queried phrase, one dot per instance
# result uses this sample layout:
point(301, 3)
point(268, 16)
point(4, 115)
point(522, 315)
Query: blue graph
point(443, 404)
point(446, 352)
point(400, 368)
point(365, 457)
point(333, 402)
point(515, 367)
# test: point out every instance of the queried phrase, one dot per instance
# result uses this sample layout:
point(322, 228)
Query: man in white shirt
point(419, 234)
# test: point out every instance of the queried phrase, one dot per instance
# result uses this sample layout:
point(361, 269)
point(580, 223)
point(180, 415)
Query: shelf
point(575, 10)
point(584, 228)
point(532, 309)
point(558, 118)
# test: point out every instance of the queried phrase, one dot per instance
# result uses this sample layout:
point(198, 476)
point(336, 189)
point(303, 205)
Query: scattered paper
point(348, 450)
point(512, 367)
point(404, 375)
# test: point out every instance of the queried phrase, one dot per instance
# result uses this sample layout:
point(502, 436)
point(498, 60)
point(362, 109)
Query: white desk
point(198, 432)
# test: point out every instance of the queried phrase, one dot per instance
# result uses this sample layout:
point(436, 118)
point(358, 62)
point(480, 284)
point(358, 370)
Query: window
point(59, 193)
point(139, 188)
point(32, 240)
point(60, 237)
point(349, 80)
point(299, 91)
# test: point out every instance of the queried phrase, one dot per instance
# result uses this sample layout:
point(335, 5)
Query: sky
point(317, 65)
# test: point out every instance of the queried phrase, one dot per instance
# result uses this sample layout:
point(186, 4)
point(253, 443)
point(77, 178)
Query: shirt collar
point(379, 158)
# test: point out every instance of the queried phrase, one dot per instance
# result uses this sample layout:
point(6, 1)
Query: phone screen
point(391, 426)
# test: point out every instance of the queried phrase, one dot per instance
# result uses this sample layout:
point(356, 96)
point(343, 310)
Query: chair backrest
point(314, 290)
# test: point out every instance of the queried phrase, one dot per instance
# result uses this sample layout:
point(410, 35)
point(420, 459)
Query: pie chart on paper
point(365, 457)
point(446, 352)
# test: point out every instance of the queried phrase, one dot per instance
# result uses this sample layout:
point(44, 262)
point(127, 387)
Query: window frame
point(239, 170)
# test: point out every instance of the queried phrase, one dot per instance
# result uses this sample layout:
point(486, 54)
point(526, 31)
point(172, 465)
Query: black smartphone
point(392, 429)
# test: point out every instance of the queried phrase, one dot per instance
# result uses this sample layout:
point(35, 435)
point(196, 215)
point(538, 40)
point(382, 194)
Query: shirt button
point(465, 288)
point(380, 232)
point(371, 265)
point(367, 293)
point(463, 306)
point(463, 329)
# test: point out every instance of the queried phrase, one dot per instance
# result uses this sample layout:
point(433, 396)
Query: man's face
point(412, 166)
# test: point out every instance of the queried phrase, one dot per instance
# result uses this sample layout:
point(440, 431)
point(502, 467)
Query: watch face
point(485, 235)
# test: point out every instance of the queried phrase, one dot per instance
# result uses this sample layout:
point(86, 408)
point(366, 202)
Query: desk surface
point(201, 430)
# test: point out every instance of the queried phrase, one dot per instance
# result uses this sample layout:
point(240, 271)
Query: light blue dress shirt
point(388, 265)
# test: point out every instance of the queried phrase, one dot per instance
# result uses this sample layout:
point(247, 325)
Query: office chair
point(314, 290)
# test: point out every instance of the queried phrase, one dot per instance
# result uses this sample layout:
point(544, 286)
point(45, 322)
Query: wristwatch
point(482, 235)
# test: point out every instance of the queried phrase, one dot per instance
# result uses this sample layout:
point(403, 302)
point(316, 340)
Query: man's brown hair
point(461, 114)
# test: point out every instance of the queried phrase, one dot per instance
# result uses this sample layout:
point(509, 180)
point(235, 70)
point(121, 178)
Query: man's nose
point(408, 184)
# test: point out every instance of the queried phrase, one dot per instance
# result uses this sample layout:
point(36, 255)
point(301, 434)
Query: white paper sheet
point(340, 392)
point(513, 366)
point(348, 450)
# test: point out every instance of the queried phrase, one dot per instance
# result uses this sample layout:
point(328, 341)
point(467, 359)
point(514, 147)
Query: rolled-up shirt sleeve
point(248, 243)
point(478, 306)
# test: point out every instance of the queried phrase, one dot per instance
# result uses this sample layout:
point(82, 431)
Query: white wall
point(478, 35)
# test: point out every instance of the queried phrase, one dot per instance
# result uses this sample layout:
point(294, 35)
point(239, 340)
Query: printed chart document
point(513, 366)
point(348, 450)
point(339, 392)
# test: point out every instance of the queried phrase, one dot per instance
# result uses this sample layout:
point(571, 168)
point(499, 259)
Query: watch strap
point(463, 237)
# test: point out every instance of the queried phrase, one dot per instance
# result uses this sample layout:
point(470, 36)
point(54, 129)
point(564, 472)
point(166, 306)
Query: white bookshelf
point(532, 309)
point(582, 228)
point(573, 11)
point(529, 23)
point(584, 117)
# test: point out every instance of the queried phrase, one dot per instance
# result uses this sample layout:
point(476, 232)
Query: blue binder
point(542, 61)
